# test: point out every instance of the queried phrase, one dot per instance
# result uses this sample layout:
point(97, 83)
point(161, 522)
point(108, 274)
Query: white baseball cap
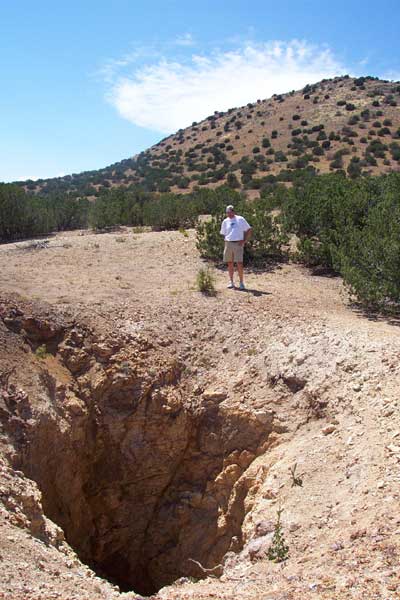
point(229, 207)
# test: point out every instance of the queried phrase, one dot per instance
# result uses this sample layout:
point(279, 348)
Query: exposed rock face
point(141, 473)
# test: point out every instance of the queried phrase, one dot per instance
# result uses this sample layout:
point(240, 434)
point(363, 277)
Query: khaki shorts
point(233, 252)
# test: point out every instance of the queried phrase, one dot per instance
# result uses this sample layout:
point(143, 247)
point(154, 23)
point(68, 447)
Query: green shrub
point(336, 163)
point(232, 181)
point(278, 550)
point(23, 215)
point(318, 151)
point(41, 352)
point(266, 243)
point(205, 282)
point(351, 227)
point(280, 156)
point(370, 257)
point(384, 131)
point(354, 168)
point(395, 151)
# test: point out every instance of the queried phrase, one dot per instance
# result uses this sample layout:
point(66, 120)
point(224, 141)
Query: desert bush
point(278, 550)
point(24, 215)
point(336, 163)
point(370, 257)
point(316, 211)
point(205, 282)
point(232, 181)
point(384, 131)
point(351, 227)
point(41, 352)
point(354, 167)
point(280, 156)
point(395, 151)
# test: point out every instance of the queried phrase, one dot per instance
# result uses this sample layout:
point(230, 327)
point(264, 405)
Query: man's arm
point(246, 236)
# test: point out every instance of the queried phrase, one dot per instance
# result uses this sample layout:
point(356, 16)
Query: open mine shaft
point(145, 475)
point(152, 456)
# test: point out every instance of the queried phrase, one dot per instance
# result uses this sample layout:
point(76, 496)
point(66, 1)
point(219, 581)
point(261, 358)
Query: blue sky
point(88, 83)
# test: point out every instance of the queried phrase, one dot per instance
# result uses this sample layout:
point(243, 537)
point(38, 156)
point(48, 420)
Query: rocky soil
point(148, 433)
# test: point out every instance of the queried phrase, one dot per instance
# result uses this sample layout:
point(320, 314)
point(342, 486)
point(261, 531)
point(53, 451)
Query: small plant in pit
point(296, 479)
point(206, 282)
point(41, 351)
point(278, 550)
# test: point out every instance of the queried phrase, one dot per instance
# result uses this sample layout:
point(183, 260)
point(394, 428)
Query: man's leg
point(230, 271)
point(240, 271)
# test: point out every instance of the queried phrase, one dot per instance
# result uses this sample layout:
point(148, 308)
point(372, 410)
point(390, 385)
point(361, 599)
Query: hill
point(350, 124)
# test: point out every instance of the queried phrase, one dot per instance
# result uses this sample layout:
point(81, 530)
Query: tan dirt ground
point(343, 525)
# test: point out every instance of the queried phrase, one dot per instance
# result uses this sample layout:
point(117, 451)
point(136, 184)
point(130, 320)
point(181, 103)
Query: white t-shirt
point(234, 229)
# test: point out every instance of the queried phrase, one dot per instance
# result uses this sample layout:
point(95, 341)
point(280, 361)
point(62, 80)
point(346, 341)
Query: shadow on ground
point(253, 292)
point(391, 318)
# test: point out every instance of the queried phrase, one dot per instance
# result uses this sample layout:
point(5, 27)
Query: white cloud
point(185, 40)
point(166, 95)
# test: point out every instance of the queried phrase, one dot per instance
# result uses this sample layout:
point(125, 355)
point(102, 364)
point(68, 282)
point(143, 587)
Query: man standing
point(236, 232)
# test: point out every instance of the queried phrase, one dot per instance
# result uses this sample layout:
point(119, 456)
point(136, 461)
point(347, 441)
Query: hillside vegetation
point(341, 124)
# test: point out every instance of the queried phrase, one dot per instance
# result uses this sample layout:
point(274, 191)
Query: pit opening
point(143, 474)
point(142, 482)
